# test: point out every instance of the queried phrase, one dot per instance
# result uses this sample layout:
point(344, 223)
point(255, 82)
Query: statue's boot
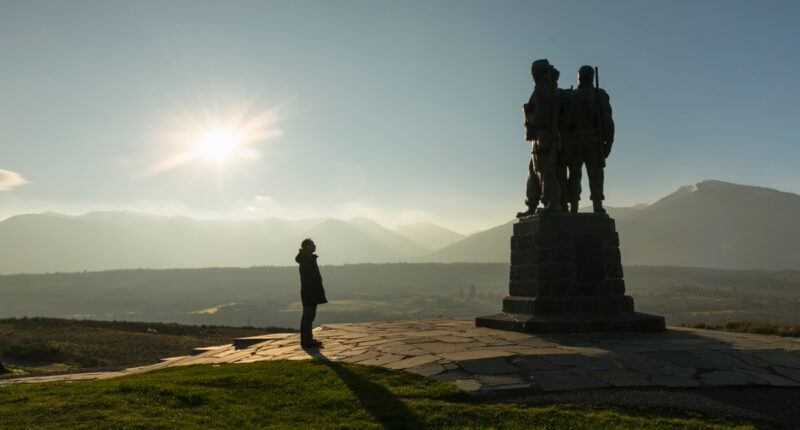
point(573, 206)
point(598, 207)
point(551, 207)
point(528, 212)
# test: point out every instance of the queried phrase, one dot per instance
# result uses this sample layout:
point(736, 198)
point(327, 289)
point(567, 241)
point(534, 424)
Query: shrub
point(45, 353)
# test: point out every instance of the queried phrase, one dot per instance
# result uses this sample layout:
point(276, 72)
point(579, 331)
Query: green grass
point(751, 327)
point(301, 394)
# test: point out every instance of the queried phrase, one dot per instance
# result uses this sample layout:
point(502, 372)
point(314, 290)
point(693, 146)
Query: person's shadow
point(377, 400)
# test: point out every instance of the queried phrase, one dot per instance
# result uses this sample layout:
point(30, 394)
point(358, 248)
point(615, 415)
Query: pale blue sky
point(397, 111)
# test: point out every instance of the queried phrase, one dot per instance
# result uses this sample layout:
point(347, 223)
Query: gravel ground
point(774, 406)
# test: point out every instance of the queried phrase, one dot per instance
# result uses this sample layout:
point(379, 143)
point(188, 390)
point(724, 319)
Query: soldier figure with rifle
point(590, 138)
point(541, 128)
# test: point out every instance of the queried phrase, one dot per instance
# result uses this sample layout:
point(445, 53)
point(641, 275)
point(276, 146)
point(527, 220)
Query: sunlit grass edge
point(302, 394)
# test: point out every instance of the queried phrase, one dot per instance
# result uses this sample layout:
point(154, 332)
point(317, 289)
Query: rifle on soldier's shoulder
point(599, 110)
point(555, 105)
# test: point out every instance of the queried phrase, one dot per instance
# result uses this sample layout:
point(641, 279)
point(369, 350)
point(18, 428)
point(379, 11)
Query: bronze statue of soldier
point(578, 285)
point(589, 140)
point(541, 129)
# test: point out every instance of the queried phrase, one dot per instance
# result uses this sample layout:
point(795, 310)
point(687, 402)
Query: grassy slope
point(301, 394)
point(784, 330)
point(108, 343)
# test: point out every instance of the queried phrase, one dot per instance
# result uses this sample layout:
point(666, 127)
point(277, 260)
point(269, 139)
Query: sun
point(220, 141)
point(219, 145)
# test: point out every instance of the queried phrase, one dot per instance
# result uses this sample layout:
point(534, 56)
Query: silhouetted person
point(311, 291)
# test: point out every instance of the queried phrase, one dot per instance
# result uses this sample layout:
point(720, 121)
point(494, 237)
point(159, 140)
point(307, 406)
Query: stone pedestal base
point(566, 276)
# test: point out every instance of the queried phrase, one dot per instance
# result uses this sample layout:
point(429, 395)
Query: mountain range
point(710, 224)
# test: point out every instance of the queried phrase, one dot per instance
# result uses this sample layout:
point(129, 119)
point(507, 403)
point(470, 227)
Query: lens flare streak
point(192, 140)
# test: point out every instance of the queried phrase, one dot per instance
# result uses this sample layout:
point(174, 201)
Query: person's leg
point(305, 323)
point(312, 313)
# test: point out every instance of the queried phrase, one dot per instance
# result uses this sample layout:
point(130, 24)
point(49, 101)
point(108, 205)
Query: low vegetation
point(302, 394)
point(750, 327)
point(29, 342)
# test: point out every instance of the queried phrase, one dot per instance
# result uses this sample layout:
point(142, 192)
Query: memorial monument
point(566, 267)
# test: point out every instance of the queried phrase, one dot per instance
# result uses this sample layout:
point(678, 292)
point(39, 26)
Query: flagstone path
point(485, 360)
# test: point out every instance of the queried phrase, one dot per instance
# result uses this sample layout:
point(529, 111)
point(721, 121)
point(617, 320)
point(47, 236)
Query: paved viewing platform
point(488, 360)
point(481, 359)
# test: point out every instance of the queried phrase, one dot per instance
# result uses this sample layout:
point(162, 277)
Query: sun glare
point(219, 140)
point(219, 145)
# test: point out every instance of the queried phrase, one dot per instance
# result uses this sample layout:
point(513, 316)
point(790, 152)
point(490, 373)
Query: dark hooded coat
point(311, 290)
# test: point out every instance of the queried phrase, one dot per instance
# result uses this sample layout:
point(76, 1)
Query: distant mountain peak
point(55, 214)
point(417, 224)
point(709, 189)
point(428, 234)
point(364, 221)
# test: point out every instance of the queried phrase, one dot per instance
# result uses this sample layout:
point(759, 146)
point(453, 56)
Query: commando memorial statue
point(541, 129)
point(566, 267)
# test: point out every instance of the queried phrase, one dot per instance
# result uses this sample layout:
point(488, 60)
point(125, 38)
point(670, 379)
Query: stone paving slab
point(622, 378)
point(675, 381)
point(482, 360)
point(488, 366)
point(564, 382)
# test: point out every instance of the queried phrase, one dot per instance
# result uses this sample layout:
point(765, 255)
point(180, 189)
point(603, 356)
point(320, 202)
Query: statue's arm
point(539, 116)
point(608, 124)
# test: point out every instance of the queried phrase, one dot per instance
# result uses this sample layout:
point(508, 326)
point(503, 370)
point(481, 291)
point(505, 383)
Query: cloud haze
point(9, 180)
point(267, 207)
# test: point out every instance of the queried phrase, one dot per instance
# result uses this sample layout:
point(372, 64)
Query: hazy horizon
point(166, 211)
point(684, 228)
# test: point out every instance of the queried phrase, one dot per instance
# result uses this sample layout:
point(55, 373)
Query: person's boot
point(312, 343)
point(598, 207)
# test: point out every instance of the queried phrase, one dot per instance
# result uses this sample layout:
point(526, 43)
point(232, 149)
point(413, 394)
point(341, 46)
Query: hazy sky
point(398, 111)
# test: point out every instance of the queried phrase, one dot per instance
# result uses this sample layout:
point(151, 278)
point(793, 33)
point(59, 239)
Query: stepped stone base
point(567, 304)
point(566, 276)
point(573, 323)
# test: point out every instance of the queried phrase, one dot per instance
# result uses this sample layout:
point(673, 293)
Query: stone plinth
point(566, 276)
